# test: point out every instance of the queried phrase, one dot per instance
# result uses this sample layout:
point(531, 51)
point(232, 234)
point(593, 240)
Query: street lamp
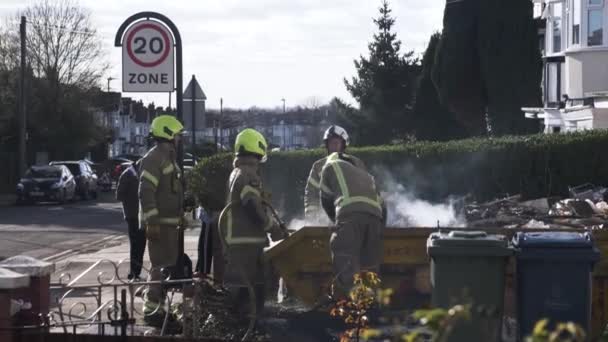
point(110, 79)
point(283, 99)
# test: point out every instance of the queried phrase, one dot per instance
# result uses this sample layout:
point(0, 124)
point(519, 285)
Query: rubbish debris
point(535, 224)
point(589, 191)
point(573, 207)
point(602, 207)
point(586, 209)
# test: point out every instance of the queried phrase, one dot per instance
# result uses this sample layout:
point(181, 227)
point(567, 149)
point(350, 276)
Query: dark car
point(119, 169)
point(46, 183)
point(86, 179)
point(118, 164)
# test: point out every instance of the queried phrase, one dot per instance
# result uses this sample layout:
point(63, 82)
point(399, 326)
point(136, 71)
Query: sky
point(256, 52)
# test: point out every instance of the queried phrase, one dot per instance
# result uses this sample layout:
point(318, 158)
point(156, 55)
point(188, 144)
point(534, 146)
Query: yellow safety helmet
point(252, 142)
point(166, 127)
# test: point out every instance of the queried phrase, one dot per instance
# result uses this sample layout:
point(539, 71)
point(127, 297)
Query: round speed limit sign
point(147, 58)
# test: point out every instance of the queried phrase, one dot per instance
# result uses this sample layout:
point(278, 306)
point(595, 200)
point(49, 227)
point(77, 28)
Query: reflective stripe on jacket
point(245, 220)
point(349, 188)
point(312, 202)
point(160, 187)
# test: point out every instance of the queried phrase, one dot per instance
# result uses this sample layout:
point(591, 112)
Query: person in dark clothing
point(205, 243)
point(127, 193)
point(209, 247)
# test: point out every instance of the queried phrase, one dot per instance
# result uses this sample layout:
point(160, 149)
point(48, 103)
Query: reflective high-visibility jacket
point(348, 188)
point(160, 187)
point(245, 221)
point(312, 201)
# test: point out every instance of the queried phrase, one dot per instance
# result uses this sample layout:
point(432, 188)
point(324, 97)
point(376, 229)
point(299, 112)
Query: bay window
point(556, 26)
point(595, 22)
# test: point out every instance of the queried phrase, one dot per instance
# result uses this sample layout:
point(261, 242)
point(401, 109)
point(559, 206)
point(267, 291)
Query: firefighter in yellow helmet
point(245, 222)
point(161, 209)
point(351, 200)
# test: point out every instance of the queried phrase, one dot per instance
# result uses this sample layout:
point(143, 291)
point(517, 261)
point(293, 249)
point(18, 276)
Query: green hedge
point(534, 166)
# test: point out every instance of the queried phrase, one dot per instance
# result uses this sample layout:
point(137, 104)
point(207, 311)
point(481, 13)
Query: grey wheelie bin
point(468, 268)
point(554, 278)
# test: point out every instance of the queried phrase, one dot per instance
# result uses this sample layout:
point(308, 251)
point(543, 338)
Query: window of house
point(595, 26)
point(556, 15)
point(576, 22)
point(553, 84)
point(556, 129)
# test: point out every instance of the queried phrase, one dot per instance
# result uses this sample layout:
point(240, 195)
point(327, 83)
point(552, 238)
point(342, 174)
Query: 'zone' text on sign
point(148, 78)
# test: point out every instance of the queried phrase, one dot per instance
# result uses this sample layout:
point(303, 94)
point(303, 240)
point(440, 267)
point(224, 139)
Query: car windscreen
point(43, 173)
point(74, 169)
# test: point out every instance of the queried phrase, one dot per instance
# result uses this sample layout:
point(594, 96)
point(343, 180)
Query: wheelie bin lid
point(555, 245)
point(467, 243)
point(552, 240)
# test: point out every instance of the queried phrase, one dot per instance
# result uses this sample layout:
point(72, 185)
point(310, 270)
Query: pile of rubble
point(586, 208)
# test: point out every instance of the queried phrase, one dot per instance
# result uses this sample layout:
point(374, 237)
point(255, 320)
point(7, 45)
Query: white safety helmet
point(336, 131)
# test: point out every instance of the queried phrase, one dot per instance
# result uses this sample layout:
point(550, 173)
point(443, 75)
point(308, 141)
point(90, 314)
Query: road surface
point(46, 230)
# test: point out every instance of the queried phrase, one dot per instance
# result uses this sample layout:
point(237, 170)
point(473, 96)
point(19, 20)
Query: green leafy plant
point(438, 322)
point(563, 332)
point(361, 298)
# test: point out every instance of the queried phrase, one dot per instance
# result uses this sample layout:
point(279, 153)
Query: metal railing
point(106, 306)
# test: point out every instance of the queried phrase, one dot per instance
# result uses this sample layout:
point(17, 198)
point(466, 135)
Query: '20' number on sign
point(155, 45)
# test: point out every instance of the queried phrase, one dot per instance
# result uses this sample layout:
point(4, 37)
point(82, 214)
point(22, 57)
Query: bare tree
point(313, 102)
point(66, 61)
point(9, 52)
point(63, 46)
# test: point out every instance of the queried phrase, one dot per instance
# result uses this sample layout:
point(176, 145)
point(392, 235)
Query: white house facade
point(574, 43)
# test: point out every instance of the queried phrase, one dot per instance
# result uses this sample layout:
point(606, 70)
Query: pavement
point(91, 272)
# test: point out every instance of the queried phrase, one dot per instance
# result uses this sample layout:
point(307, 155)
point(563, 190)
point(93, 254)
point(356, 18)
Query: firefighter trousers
point(162, 249)
point(356, 245)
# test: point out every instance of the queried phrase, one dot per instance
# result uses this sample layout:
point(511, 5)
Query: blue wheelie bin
point(554, 278)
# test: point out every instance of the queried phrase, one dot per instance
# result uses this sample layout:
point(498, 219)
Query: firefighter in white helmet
point(336, 139)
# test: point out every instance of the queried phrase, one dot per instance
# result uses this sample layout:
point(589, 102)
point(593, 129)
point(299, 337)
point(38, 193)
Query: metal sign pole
point(192, 97)
point(178, 98)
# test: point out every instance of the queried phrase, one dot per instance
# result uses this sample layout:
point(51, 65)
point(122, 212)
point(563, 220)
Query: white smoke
point(320, 220)
point(406, 210)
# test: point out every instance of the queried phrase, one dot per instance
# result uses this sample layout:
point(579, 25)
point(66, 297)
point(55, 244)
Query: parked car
point(119, 169)
point(131, 157)
point(117, 165)
point(97, 168)
point(86, 179)
point(105, 182)
point(46, 183)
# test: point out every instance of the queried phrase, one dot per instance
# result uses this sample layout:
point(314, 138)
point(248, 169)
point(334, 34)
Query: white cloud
point(257, 52)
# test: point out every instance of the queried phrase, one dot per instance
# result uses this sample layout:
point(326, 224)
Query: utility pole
point(22, 107)
point(284, 123)
point(220, 121)
point(215, 133)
